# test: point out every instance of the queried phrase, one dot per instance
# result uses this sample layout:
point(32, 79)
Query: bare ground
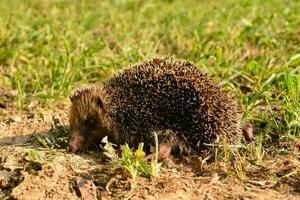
point(30, 168)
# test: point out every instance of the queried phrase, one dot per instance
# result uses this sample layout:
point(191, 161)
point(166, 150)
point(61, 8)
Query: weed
point(34, 156)
point(34, 160)
point(133, 162)
point(56, 139)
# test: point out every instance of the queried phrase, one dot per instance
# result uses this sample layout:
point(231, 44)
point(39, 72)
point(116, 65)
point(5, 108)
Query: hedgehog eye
point(99, 103)
point(90, 122)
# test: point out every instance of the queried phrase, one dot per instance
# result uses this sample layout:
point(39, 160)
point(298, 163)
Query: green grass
point(252, 47)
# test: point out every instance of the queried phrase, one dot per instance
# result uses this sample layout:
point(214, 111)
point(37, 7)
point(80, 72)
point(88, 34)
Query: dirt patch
point(34, 165)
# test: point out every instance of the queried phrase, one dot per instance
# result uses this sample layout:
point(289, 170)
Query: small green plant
point(259, 150)
point(34, 160)
point(239, 167)
point(133, 162)
point(34, 156)
point(57, 138)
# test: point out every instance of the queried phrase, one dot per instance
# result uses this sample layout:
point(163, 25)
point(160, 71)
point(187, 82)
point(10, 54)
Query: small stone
point(11, 163)
point(12, 93)
point(33, 104)
point(16, 118)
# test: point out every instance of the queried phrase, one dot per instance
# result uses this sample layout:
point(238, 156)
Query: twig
point(111, 180)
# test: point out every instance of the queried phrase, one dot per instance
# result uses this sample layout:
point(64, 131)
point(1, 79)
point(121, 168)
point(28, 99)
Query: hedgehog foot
point(164, 152)
point(169, 146)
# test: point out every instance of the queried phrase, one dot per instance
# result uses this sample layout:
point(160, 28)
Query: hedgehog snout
point(72, 148)
point(75, 142)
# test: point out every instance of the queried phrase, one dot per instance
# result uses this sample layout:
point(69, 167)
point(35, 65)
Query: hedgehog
point(188, 110)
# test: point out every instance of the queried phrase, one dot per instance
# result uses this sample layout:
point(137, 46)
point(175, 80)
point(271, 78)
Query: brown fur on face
point(88, 119)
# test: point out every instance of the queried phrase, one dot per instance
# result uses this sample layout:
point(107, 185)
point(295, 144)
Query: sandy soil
point(30, 168)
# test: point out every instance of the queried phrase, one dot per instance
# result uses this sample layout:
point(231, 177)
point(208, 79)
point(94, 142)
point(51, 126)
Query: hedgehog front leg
point(169, 145)
point(164, 153)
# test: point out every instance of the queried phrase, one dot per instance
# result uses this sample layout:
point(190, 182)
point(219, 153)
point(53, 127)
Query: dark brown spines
point(163, 94)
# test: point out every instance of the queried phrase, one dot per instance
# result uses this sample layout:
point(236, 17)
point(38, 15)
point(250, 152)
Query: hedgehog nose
point(72, 148)
point(75, 142)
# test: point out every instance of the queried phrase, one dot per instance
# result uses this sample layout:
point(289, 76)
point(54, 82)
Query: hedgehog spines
point(171, 97)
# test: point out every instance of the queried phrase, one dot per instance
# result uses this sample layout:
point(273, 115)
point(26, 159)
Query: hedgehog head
point(88, 119)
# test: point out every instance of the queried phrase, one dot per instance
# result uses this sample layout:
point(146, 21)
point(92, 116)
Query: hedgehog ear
point(76, 94)
point(99, 102)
